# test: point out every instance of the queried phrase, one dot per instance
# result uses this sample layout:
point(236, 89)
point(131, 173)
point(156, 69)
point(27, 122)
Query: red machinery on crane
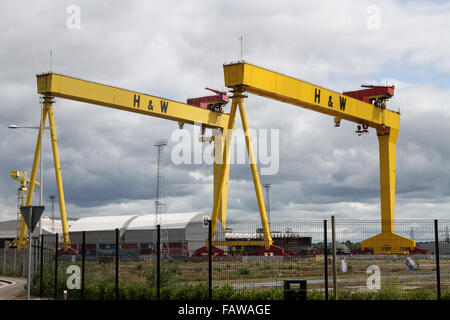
point(213, 102)
point(375, 95)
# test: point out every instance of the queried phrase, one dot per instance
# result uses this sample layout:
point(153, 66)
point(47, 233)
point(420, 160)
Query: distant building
point(444, 247)
point(181, 233)
point(341, 248)
point(292, 242)
point(8, 229)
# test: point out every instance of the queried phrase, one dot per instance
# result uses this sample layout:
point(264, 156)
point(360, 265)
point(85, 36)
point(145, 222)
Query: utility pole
point(267, 187)
point(160, 144)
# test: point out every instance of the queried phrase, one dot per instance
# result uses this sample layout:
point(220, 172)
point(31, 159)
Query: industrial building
point(181, 233)
point(8, 229)
point(292, 242)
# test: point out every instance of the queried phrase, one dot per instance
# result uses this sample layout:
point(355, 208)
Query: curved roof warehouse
point(186, 228)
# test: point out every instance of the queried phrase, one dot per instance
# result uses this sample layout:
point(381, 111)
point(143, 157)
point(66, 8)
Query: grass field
point(271, 273)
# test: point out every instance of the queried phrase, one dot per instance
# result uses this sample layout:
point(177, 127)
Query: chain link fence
point(175, 262)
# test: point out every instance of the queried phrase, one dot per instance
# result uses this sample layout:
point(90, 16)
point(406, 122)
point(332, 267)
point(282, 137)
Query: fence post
point(4, 257)
point(41, 281)
point(15, 258)
point(24, 257)
point(56, 267)
point(438, 269)
point(83, 247)
point(210, 259)
point(158, 262)
point(333, 244)
point(34, 255)
point(117, 264)
point(325, 256)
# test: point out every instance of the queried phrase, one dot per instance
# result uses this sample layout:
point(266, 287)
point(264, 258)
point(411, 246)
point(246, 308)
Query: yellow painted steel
point(387, 241)
point(256, 183)
point(22, 177)
point(61, 86)
point(283, 88)
point(56, 85)
point(223, 178)
point(238, 101)
point(270, 84)
point(47, 111)
point(57, 165)
point(23, 239)
point(219, 148)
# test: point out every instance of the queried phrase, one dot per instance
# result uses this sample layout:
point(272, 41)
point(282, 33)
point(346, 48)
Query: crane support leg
point(59, 184)
point(387, 242)
point(224, 175)
point(256, 182)
point(23, 240)
point(219, 151)
point(223, 178)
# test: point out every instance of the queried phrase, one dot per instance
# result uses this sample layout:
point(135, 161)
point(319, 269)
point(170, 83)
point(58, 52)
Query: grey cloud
point(174, 50)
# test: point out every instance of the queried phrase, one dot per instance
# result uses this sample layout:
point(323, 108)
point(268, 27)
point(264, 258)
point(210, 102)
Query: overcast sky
point(174, 49)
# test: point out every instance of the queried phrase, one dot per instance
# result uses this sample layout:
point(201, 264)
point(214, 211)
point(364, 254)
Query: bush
point(244, 271)
point(167, 277)
point(176, 270)
point(104, 289)
point(315, 295)
point(421, 294)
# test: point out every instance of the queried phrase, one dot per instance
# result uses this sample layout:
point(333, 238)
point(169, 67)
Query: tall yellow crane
point(240, 77)
point(245, 77)
point(22, 177)
point(51, 85)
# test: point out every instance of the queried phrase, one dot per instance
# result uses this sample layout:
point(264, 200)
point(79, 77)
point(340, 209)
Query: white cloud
point(174, 50)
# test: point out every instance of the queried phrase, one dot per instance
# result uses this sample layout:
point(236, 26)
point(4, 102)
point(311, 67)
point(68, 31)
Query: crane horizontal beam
point(283, 88)
point(66, 87)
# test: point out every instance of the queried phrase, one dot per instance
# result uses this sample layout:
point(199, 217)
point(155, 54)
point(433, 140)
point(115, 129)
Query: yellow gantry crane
point(240, 77)
point(245, 77)
point(51, 85)
point(22, 177)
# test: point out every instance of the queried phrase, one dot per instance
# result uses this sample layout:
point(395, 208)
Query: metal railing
point(325, 253)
